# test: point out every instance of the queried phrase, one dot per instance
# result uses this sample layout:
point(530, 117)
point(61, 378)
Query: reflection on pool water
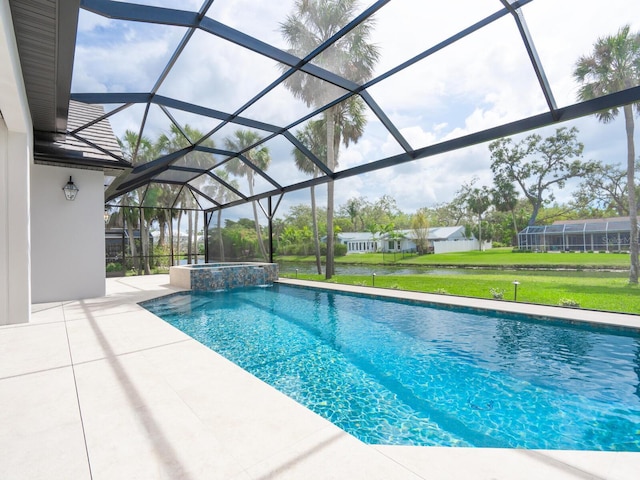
point(400, 373)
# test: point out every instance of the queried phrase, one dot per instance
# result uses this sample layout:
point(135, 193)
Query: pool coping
point(613, 320)
point(122, 394)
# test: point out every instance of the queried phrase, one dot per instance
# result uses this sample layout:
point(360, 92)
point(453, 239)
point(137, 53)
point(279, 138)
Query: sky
point(481, 81)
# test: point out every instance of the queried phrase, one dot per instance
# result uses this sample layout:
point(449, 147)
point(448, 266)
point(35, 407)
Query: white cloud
point(416, 136)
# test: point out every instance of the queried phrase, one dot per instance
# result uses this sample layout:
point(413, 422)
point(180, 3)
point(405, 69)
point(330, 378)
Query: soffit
point(45, 34)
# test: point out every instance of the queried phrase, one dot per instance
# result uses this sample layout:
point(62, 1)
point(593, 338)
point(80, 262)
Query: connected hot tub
point(223, 276)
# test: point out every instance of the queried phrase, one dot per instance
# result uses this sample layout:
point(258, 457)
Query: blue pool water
point(399, 373)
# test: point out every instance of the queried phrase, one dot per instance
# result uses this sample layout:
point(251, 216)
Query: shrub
point(114, 267)
point(161, 256)
point(299, 250)
point(568, 302)
point(441, 291)
point(339, 249)
point(497, 293)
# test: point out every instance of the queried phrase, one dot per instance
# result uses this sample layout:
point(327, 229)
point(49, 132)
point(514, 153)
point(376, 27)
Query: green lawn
point(490, 258)
point(574, 280)
point(597, 291)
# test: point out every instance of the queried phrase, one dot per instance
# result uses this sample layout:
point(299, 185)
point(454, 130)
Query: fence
point(118, 267)
point(450, 246)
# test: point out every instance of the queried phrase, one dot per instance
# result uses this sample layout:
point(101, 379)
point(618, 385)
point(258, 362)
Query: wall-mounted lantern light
point(70, 190)
point(106, 216)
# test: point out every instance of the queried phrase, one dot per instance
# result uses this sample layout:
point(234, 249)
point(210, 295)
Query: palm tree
point(137, 150)
point(259, 156)
point(312, 23)
point(313, 136)
point(169, 142)
point(614, 65)
point(221, 194)
point(177, 139)
point(478, 200)
point(166, 216)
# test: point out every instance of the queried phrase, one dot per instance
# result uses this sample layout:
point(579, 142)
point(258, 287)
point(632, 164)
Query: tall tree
point(537, 165)
point(383, 211)
point(137, 150)
point(241, 140)
point(354, 209)
point(420, 227)
point(478, 201)
point(221, 194)
point(505, 199)
point(165, 215)
point(173, 140)
point(614, 65)
point(312, 23)
point(449, 214)
point(314, 137)
point(605, 190)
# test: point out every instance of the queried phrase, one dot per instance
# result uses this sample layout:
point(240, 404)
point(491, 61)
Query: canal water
point(288, 269)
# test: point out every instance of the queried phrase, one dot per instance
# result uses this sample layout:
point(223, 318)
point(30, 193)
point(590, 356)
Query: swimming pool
point(399, 373)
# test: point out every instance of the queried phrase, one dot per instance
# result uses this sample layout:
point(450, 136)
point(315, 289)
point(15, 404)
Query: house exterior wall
point(15, 158)
point(68, 240)
point(447, 239)
point(15, 292)
point(361, 246)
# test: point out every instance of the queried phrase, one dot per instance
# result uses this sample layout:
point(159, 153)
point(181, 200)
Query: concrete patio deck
point(103, 389)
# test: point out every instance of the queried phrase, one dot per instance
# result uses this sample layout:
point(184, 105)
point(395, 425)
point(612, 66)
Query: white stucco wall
point(15, 160)
point(67, 238)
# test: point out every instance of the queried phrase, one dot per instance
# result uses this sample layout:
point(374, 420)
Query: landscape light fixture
point(515, 290)
point(373, 279)
point(70, 190)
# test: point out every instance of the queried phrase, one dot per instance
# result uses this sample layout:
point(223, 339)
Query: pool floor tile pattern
point(102, 389)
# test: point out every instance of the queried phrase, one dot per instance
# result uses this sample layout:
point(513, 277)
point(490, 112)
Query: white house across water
point(440, 240)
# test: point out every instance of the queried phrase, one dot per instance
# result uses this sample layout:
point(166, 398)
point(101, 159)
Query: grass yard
point(493, 258)
point(597, 291)
point(559, 278)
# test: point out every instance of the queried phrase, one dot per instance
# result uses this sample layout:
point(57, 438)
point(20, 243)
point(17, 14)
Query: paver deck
point(103, 389)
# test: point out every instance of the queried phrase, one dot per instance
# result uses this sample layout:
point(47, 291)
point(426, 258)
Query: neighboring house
point(602, 235)
point(359, 242)
point(441, 240)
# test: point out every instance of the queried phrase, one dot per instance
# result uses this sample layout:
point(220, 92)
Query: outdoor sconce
point(70, 190)
point(106, 216)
